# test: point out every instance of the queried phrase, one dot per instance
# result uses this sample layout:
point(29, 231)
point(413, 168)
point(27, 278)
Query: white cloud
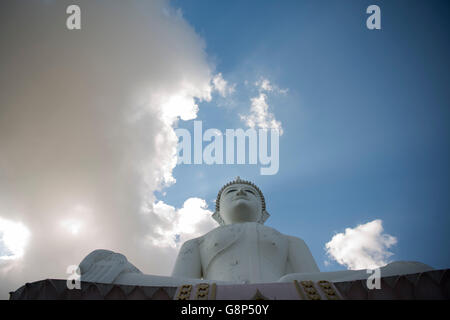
point(14, 237)
point(363, 247)
point(87, 117)
point(264, 85)
point(190, 221)
point(260, 116)
point(222, 86)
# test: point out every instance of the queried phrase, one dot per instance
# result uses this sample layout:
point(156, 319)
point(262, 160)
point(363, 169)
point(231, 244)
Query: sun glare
point(72, 225)
point(14, 238)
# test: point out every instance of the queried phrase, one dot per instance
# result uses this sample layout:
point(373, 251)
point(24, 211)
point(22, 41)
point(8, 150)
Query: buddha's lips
point(240, 197)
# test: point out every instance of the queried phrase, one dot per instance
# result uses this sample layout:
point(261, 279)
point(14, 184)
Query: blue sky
point(365, 119)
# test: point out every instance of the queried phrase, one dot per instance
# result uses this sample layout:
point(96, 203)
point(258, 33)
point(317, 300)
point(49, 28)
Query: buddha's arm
point(188, 263)
point(105, 266)
point(300, 258)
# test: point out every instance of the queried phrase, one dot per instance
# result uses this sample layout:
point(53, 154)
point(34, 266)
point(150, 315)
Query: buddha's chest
point(243, 245)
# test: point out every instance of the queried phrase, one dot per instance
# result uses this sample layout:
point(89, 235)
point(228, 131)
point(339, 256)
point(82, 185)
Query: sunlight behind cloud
point(98, 127)
point(72, 225)
point(14, 238)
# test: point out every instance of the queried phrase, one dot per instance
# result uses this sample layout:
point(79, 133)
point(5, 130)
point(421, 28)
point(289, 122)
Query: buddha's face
point(240, 203)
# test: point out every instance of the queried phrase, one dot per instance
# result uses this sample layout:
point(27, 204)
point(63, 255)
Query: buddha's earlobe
point(216, 216)
point(264, 216)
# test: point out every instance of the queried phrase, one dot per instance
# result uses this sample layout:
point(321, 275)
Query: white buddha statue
point(240, 250)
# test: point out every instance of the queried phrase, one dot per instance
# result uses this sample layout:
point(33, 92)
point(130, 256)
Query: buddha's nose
point(240, 192)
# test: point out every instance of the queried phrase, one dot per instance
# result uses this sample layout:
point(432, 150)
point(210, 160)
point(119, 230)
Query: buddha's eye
point(251, 191)
point(230, 190)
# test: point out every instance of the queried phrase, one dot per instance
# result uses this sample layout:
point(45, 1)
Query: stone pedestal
point(426, 285)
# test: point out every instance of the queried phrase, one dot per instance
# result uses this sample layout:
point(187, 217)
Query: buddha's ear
point(216, 216)
point(265, 215)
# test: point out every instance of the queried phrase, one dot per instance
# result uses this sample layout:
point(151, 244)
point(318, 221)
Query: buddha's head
point(240, 201)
